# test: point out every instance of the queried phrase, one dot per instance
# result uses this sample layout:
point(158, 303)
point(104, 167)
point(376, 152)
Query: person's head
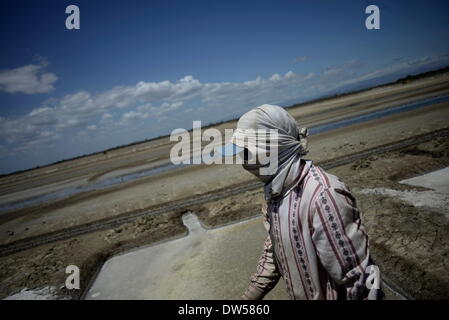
point(271, 139)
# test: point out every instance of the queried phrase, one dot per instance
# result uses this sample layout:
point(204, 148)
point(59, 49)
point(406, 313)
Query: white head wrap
point(291, 144)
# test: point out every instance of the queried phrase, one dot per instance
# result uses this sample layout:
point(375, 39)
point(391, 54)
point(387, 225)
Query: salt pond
point(206, 264)
point(9, 202)
point(436, 198)
point(217, 263)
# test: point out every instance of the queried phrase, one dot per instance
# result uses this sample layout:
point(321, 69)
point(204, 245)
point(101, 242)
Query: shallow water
point(70, 191)
point(377, 114)
point(67, 192)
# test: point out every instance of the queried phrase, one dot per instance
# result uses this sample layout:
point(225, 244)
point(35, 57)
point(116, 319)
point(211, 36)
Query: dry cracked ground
point(410, 244)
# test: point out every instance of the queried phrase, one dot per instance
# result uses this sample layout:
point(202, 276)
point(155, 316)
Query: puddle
point(111, 181)
point(377, 114)
point(70, 191)
point(436, 199)
point(206, 264)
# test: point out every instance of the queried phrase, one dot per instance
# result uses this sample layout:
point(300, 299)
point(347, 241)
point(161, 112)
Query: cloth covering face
point(289, 142)
point(316, 239)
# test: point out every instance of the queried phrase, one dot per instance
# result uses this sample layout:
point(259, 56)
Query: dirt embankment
point(44, 266)
point(410, 245)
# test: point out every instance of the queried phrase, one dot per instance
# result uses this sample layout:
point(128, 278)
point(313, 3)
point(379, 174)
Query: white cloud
point(275, 77)
point(28, 79)
point(133, 115)
point(289, 75)
point(163, 105)
point(38, 111)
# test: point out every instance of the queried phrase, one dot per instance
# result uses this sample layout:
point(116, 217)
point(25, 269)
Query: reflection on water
point(70, 191)
point(67, 192)
point(377, 114)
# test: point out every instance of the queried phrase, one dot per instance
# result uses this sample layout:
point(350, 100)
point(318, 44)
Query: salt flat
point(436, 198)
point(216, 264)
point(207, 264)
point(409, 241)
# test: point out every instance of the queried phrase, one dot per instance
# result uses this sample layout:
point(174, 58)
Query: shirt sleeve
point(342, 244)
point(267, 274)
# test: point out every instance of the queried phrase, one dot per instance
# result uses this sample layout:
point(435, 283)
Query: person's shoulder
point(326, 179)
point(333, 184)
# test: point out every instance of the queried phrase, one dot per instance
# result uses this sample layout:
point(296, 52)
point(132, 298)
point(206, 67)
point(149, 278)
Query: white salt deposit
point(437, 180)
point(436, 199)
point(46, 293)
point(206, 264)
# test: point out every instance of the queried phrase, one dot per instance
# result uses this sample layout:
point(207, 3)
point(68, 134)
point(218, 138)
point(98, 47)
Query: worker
point(316, 239)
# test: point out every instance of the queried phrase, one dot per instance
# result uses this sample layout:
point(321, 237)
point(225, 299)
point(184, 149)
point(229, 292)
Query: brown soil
point(410, 245)
point(45, 265)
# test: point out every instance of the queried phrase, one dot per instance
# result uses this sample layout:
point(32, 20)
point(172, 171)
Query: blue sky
point(139, 69)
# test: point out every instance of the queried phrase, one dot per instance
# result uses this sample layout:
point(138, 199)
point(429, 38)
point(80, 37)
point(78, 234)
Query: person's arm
point(267, 274)
point(342, 243)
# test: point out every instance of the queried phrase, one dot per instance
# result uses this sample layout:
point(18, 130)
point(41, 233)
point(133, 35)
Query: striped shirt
point(316, 242)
